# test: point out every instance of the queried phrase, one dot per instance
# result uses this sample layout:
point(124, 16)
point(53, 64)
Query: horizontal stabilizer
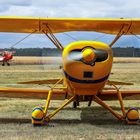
point(107, 88)
point(41, 82)
point(118, 83)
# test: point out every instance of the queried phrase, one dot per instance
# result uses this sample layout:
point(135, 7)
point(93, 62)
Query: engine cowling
point(87, 66)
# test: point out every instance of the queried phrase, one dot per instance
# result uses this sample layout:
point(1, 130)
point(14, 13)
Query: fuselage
point(87, 66)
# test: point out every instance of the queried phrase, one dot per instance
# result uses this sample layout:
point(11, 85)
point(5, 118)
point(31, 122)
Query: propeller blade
point(75, 55)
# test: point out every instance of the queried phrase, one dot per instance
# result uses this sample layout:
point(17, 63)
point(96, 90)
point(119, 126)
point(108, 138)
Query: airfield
point(82, 123)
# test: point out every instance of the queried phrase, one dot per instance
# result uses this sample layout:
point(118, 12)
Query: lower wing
point(60, 94)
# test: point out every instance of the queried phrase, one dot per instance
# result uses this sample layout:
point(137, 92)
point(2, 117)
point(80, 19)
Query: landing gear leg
point(132, 115)
point(76, 102)
point(8, 64)
point(40, 116)
point(3, 64)
point(60, 108)
point(90, 100)
point(103, 104)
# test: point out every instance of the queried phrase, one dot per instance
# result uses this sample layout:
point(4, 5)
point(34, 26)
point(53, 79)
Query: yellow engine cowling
point(87, 65)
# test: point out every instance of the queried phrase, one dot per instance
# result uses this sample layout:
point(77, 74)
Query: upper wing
point(37, 25)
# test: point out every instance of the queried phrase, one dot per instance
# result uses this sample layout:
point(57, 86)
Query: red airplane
point(6, 57)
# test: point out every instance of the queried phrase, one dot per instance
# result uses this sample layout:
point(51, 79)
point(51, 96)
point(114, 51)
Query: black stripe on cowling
point(86, 81)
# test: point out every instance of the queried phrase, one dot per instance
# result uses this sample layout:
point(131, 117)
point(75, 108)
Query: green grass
point(10, 76)
point(82, 123)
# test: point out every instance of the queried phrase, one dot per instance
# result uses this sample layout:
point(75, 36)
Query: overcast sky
point(67, 8)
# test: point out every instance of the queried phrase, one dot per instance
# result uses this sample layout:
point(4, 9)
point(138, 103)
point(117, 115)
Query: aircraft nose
point(88, 55)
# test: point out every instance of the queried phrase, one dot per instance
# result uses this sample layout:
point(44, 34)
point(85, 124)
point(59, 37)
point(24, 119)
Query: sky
point(68, 8)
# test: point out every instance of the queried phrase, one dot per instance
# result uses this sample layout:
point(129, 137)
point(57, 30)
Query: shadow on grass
point(89, 115)
point(94, 108)
point(93, 116)
point(14, 120)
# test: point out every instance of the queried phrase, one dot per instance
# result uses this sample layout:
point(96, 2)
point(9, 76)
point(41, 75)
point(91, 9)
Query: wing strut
point(120, 33)
point(52, 38)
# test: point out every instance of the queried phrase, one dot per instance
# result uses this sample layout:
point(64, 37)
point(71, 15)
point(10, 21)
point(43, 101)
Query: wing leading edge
point(60, 94)
point(57, 25)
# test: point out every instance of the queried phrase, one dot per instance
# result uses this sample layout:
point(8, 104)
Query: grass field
point(36, 60)
point(20, 60)
point(82, 123)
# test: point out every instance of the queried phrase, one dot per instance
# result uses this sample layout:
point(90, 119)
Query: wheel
point(8, 64)
point(3, 64)
point(37, 116)
point(132, 116)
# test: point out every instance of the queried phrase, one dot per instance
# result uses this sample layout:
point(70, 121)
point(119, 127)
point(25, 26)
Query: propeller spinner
point(88, 55)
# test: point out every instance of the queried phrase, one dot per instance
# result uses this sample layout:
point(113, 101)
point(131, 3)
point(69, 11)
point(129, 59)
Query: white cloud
point(71, 8)
point(65, 8)
point(15, 2)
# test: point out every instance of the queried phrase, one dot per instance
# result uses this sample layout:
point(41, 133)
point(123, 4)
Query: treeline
point(35, 51)
point(118, 52)
point(126, 52)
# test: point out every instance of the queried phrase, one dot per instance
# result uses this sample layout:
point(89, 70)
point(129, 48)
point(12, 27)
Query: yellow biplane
point(86, 65)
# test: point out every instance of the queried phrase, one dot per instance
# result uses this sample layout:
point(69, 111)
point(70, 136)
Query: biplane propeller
point(86, 65)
